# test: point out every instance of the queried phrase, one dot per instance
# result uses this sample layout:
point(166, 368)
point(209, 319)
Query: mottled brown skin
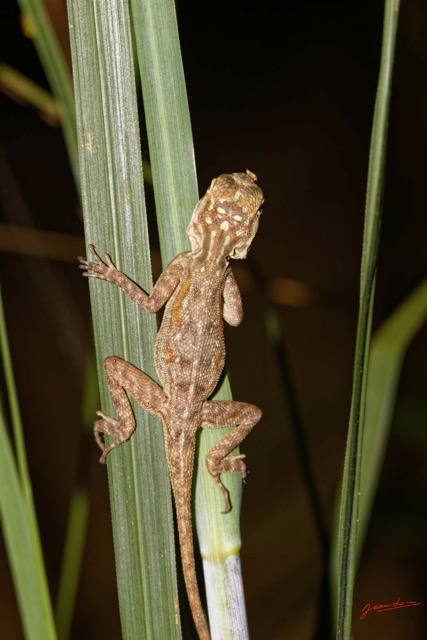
point(200, 291)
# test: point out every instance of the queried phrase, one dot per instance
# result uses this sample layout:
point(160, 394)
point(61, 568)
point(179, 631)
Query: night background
point(286, 90)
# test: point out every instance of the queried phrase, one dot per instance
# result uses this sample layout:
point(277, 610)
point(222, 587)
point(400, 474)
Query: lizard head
point(230, 209)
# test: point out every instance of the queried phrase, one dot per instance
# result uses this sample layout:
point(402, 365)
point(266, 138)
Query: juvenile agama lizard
point(200, 291)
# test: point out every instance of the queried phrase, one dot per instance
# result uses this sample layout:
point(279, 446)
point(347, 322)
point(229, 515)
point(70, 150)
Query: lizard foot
point(110, 426)
point(225, 465)
point(234, 463)
point(98, 269)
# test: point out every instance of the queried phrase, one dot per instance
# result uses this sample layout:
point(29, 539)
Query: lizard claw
point(94, 253)
point(109, 261)
point(107, 257)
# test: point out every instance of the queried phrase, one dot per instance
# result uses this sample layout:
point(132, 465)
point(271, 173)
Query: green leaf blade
point(114, 208)
point(167, 120)
point(343, 567)
point(175, 188)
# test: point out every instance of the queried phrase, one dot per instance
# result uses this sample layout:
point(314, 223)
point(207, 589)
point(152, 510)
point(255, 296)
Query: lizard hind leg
point(124, 378)
point(219, 414)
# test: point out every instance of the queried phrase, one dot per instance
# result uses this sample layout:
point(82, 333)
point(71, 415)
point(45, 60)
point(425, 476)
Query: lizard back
point(189, 350)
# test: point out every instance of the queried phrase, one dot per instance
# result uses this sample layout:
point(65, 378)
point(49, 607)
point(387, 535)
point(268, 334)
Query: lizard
point(200, 291)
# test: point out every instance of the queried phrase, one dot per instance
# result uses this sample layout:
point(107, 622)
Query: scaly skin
point(200, 291)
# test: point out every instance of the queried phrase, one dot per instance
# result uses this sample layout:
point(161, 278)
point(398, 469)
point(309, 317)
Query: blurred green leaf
point(18, 518)
point(56, 69)
point(25, 90)
point(78, 511)
point(389, 346)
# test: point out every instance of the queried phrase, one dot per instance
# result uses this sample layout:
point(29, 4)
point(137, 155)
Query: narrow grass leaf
point(78, 511)
point(29, 581)
point(343, 569)
point(175, 189)
point(75, 536)
point(114, 213)
point(168, 121)
point(55, 66)
point(18, 517)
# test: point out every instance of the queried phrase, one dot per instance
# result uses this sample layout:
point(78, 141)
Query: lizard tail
point(185, 533)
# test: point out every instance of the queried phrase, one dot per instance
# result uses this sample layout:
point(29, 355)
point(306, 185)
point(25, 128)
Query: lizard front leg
point(219, 414)
point(161, 292)
point(123, 377)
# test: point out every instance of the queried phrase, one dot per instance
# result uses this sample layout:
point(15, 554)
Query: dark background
point(286, 90)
